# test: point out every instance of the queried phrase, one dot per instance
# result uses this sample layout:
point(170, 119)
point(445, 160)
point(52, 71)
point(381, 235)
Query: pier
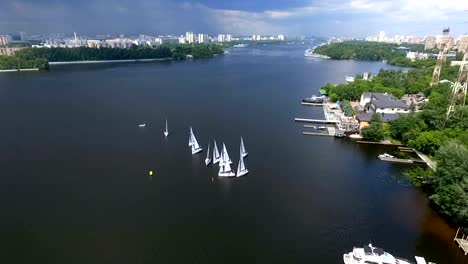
point(312, 104)
point(462, 240)
point(318, 121)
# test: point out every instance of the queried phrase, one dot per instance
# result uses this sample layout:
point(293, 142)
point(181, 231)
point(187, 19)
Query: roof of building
point(384, 100)
point(366, 117)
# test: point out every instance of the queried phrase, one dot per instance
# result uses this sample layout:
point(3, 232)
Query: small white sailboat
point(166, 132)
point(142, 125)
point(224, 157)
point(225, 165)
point(194, 143)
point(241, 168)
point(243, 152)
point(208, 159)
point(216, 156)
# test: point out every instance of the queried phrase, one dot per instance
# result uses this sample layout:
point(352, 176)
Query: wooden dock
point(462, 239)
point(312, 104)
point(397, 160)
point(318, 121)
point(317, 134)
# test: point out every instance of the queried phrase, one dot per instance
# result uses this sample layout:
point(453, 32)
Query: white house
point(383, 103)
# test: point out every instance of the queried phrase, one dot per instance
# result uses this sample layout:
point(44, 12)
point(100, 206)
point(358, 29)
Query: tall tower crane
point(444, 47)
point(460, 87)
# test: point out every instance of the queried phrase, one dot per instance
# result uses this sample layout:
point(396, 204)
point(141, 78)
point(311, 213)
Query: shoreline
point(20, 70)
point(55, 63)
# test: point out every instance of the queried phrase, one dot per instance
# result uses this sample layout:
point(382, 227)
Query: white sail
point(226, 171)
point(166, 132)
point(241, 169)
point(244, 152)
point(216, 156)
point(225, 156)
point(190, 142)
point(194, 143)
point(208, 159)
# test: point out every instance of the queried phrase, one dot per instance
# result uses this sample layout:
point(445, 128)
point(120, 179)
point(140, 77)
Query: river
point(75, 184)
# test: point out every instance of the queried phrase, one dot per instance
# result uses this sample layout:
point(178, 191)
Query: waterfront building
point(417, 56)
point(383, 103)
point(181, 40)
point(281, 37)
point(228, 38)
point(189, 37)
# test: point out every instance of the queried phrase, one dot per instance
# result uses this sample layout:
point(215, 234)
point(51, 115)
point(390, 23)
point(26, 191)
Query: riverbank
point(20, 70)
point(54, 63)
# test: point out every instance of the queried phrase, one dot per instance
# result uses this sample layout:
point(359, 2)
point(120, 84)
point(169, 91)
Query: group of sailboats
point(222, 158)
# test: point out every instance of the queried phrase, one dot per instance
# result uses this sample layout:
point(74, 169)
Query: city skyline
point(357, 18)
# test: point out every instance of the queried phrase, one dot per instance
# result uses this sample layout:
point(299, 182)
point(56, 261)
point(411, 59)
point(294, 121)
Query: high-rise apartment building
point(430, 42)
point(189, 37)
point(202, 38)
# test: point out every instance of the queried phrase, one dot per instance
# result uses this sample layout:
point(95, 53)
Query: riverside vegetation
point(428, 131)
point(39, 57)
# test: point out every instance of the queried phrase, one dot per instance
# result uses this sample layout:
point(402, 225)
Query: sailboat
point(166, 132)
point(243, 152)
point(194, 143)
point(225, 165)
point(216, 156)
point(224, 157)
point(208, 159)
point(241, 169)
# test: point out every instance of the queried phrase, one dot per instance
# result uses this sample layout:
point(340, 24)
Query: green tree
point(451, 181)
point(375, 130)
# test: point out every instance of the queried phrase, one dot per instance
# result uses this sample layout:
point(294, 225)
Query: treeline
point(373, 51)
point(133, 53)
point(198, 51)
point(83, 53)
point(15, 62)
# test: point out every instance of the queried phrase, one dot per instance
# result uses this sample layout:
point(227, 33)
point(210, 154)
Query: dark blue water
point(74, 183)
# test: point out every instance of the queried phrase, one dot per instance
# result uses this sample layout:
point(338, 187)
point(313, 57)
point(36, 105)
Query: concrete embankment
point(53, 63)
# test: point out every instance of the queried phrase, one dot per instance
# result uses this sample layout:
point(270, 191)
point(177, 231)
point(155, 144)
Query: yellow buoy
point(151, 173)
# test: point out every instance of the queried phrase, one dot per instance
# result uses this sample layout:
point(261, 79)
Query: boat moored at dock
point(375, 255)
point(314, 99)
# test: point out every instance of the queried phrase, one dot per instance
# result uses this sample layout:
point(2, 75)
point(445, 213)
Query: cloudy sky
point(291, 17)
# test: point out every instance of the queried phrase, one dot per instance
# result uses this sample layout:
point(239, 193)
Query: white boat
point(225, 164)
point(243, 152)
point(208, 159)
point(370, 254)
point(216, 156)
point(141, 125)
point(166, 132)
point(241, 169)
point(385, 156)
point(224, 157)
point(240, 45)
point(194, 143)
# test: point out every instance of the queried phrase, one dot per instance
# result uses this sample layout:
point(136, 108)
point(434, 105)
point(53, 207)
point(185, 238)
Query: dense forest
point(373, 51)
point(429, 131)
point(39, 57)
point(15, 62)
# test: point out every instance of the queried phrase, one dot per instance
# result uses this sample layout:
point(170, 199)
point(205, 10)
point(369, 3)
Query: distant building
point(463, 44)
point(181, 40)
point(430, 42)
point(281, 37)
point(382, 36)
point(202, 38)
point(228, 38)
point(9, 51)
point(221, 37)
point(383, 103)
point(189, 37)
point(4, 40)
point(417, 56)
